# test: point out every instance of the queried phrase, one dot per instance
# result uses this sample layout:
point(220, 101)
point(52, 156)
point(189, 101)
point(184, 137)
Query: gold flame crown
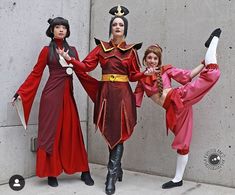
point(119, 11)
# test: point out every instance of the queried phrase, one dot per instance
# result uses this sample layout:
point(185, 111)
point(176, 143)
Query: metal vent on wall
point(33, 146)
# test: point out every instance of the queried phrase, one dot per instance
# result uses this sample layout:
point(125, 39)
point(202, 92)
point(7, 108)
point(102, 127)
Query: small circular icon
point(16, 182)
point(214, 159)
point(69, 71)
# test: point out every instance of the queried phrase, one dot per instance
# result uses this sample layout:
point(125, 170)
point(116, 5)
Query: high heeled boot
point(120, 172)
point(114, 169)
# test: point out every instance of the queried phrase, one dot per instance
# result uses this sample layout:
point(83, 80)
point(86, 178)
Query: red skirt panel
point(69, 153)
point(115, 112)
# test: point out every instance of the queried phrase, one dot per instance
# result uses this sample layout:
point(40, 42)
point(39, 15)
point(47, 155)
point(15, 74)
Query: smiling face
point(152, 60)
point(60, 31)
point(118, 28)
point(153, 56)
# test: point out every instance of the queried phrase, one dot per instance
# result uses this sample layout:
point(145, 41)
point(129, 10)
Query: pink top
point(149, 84)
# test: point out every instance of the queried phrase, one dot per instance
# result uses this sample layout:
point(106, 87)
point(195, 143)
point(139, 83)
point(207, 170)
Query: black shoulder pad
point(138, 46)
point(97, 41)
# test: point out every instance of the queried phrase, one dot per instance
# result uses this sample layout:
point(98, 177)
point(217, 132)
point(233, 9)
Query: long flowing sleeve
point(89, 63)
point(134, 68)
point(139, 94)
point(89, 83)
point(180, 75)
point(28, 89)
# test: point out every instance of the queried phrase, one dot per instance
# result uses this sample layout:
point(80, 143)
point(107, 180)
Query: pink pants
point(190, 94)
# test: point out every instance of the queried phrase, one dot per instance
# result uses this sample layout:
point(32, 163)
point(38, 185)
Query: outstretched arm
point(89, 83)
point(182, 76)
point(134, 69)
point(25, 95)
point(196, 70)
point(87, 65)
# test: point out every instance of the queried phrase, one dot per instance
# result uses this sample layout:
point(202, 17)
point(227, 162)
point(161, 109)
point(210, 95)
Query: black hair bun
point(50, 20)
point(119, 11)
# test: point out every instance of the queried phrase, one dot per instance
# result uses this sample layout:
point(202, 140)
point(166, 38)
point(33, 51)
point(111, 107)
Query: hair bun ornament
point(50, 20)
point(119, 11)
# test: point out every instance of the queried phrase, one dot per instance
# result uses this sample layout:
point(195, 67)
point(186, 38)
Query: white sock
point(180, 167)
point(210, 57)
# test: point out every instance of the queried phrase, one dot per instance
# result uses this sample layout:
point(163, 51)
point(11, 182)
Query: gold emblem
point(112, 78)
point(119, 11)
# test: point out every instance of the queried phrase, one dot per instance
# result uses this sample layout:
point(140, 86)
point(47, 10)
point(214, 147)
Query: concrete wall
point(23, 26)
point(181, 28)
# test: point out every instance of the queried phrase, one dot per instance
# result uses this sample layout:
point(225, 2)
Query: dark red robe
point(115, 110)
point(60, 140)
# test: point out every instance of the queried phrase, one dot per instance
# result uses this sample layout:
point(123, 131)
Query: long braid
point(159, 83)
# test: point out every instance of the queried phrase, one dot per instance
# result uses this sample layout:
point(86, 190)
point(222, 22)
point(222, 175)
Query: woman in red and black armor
point(115, 109)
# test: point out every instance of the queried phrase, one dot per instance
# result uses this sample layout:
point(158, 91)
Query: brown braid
point(159, 83)
point(157, 50)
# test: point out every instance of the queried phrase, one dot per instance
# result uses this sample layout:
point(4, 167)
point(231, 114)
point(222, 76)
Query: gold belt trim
point(115, 78)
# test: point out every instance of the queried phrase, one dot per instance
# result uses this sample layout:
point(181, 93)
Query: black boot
point(52, 181)
point(119, 176)
point(172, 184)
point(86, 177)
point(114, 169)
point(120, 172)
point(215, 33)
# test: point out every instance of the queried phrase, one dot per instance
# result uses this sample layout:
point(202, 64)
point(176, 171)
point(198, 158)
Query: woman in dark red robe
point(60, 145)
point(115, 109)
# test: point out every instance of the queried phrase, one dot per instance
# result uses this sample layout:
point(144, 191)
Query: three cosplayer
point(60, 142)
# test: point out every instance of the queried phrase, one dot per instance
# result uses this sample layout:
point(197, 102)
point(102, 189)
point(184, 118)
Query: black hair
point(54, 22)
point(52, 45)
point(125, 24)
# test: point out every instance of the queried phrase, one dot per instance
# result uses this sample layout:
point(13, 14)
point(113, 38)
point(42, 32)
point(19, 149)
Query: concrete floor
point(134, 183)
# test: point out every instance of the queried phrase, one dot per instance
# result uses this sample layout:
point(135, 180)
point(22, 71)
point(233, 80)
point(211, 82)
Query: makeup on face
point(118, 27)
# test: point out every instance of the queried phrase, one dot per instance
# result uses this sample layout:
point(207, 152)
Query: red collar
point(109, 46)
point(59, 43)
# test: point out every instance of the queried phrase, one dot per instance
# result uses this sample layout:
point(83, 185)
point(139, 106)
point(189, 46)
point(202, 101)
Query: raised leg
point(194, 91)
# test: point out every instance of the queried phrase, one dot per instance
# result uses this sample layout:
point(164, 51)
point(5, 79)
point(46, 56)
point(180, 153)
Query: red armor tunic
point(115, 110)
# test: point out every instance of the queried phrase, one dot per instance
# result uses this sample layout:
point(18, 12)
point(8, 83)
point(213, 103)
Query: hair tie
point(50, 20)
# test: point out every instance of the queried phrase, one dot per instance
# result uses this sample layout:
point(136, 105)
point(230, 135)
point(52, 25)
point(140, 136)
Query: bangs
point(60, 21)
point(54, 22)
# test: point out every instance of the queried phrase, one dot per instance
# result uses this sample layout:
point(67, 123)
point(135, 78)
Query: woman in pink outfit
point(178, 101)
